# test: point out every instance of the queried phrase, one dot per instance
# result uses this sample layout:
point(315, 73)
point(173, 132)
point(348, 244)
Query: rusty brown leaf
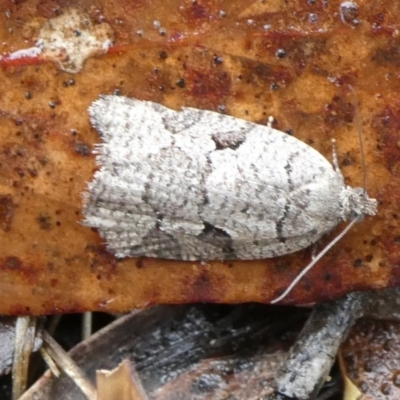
point(290, 60)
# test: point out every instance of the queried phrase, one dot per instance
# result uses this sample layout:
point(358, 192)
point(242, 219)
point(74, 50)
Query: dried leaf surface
point(121, 383)
point(371, 359)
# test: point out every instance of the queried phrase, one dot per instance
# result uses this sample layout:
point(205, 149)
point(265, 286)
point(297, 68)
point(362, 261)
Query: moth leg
point(335, 161)
point(314, 251)
point(270, 122)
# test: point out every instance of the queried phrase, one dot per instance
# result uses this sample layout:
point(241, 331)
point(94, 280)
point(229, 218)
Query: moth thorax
point(355, 202)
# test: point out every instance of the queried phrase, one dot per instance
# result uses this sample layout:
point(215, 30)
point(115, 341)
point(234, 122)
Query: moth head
point(356, 203)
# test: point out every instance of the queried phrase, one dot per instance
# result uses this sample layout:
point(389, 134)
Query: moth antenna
point(360, 137)
point(316, 259)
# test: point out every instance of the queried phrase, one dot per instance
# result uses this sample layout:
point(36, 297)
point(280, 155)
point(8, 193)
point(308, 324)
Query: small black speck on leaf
point(357, 263)
point(280, 53)
point(218, 60)
point(83, 149)
point(181, 83)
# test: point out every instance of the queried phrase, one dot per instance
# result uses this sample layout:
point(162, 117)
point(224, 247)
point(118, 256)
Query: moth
point(198, 185)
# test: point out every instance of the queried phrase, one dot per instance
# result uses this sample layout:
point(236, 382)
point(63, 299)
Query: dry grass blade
point(68, 366)
point(25, 331)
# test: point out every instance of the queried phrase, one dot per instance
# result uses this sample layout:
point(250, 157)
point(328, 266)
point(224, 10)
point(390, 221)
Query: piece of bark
point(311, 358)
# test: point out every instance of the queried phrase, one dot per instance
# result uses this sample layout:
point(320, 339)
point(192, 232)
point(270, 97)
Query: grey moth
point(198, 185)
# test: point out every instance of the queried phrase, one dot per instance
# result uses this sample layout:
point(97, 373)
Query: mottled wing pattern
point(196, 184)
